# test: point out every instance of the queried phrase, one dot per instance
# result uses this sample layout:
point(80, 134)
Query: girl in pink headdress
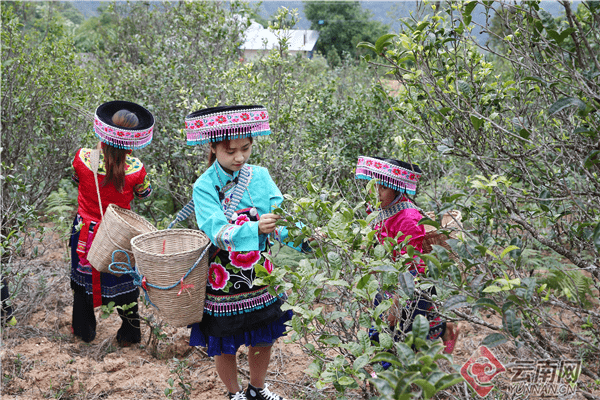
point(233, 203)
point(399, 217)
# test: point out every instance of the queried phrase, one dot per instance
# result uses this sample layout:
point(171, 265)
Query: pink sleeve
point(405, 221)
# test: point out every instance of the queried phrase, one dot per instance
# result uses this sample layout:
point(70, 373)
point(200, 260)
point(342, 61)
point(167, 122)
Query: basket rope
point(139, 280)
point(95, 161)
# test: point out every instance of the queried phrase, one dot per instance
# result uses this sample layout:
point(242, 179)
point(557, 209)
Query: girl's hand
point(267, 223)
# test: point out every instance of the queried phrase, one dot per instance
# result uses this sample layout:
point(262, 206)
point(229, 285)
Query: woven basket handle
point(95, 161)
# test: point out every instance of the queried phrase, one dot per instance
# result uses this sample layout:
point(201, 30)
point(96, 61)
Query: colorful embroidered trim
point(392, 176)
point(223, 237)
point(132, 164)
point(122, 138)
point(232, 124)
point(235, 304)
point(244, 178)
point(143, 189)
point(393, 210)
point(183, 214)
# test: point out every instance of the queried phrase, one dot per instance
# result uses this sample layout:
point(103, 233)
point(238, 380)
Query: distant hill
point(88, 8)
point(388, 12)
point(391, 12)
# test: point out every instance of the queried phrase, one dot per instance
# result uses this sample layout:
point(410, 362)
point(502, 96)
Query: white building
point(259, 40)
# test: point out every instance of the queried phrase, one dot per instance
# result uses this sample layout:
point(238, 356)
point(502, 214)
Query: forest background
point(506, 132)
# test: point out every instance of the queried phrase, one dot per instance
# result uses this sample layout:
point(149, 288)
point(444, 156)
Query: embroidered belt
point(220, 306)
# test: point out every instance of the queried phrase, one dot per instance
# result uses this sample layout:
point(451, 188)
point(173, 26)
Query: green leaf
point(447, 381)
point(428, 388)
point(493, 340)
point(468, 8)
point(367, 45)
point(464, 87)
point(422, 26)
point(346, 381)
point(420, 327)
point(455, 302)
point(566, 102)
point(364, 339)
point(583, 129)
point(512, 323)
point(338, 282)
point(386, 357)
point(383, 42)
point(492, 289)
point(477, 122)
point(508, 250)
point(563, 35)
point(407, 284)
point(429, 221)
point(382, 307)
point(385, 340)
point(475, 284)
point(384, 268)
point(331, 340)
point(363, 281)
point(361, 361)
point(485, 302)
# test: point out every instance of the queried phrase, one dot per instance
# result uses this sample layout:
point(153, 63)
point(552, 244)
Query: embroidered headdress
point(394, 174)
point(124, 138)
point(227, 122)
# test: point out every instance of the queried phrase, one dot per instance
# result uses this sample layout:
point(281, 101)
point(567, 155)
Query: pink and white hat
point(123, 138)
point(395, 174)
point(226, 122)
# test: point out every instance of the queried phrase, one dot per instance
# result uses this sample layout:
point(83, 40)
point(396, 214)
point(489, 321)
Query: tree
point(527, 134)
point(342, 25)
point(41, 129)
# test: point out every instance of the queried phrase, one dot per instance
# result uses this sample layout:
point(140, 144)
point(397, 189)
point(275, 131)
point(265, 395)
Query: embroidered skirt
point(237, 312)
point(251, 335)
point(119, 289)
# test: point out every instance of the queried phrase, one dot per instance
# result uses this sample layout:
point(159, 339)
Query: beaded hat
point(226, 122)
point(123, 138)
point(394, 174)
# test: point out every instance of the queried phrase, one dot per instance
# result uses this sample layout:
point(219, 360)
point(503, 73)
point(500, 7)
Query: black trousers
point(84, 320)
point(6, 309)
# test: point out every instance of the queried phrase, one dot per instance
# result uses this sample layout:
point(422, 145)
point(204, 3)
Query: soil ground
point(41, 358)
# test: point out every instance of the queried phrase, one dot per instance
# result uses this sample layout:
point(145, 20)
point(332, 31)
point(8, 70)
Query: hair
point(125, 119)
point(114, 157)
point(213, 145)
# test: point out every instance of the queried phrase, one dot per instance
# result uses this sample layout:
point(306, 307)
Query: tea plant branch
point(576, 310)
point(588, 395)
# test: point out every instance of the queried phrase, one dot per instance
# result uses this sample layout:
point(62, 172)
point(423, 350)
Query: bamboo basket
point(164, 258)
point(450, 221)
point(115, 231)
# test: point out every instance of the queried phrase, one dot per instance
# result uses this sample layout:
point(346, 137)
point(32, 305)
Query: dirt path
point(41, 359)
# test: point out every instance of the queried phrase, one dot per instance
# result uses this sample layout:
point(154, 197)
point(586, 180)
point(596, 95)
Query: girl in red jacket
point(121, 127)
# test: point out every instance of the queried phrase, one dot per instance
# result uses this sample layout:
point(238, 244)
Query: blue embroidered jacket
point(261, 193)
